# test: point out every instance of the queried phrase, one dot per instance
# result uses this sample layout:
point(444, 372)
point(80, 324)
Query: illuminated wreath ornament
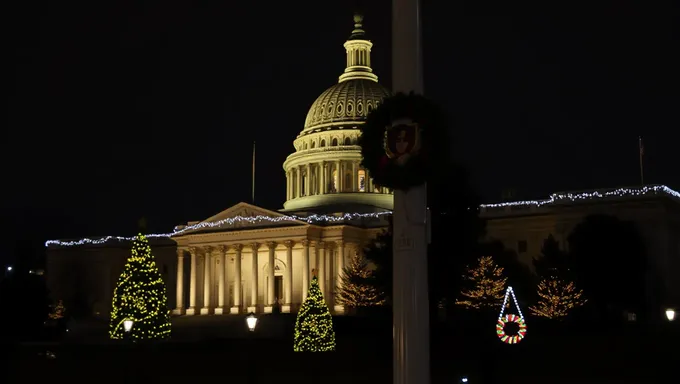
point(404, 142)
point(510, 318)
point(511, 339)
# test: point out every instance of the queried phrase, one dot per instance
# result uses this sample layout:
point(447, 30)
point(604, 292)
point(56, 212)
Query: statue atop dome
point(358, 33)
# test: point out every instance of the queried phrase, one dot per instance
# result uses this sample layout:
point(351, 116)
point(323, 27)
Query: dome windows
point(334, 143)
point(323, 143)
point(349, 109)
point(360, 107)
point(348, 141)
point(313, 144)
point(340, 109)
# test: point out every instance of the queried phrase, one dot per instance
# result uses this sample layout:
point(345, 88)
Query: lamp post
point(127, 327)
point(251, 322)
point(670, 314)
point(411, 333)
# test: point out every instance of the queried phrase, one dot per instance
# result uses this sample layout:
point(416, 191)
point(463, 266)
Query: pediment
point(243, 216)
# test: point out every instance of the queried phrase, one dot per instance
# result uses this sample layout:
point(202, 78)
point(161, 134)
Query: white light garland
point(228, 221)
point(575, 197)
point(509, 292)
point(554, 198)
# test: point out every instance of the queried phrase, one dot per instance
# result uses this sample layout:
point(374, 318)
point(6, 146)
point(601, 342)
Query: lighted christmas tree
point(314, 325)
point(485, 285)
point(58, 311)
point(140, 296)
point(355, 290)
point(557, 298)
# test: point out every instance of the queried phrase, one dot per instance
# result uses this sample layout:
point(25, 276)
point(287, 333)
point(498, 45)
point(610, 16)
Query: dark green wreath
point(420, 167)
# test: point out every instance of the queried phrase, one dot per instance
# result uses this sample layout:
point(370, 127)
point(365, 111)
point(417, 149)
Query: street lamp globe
point(670, 314)
point(251, 321)
point(127, 324)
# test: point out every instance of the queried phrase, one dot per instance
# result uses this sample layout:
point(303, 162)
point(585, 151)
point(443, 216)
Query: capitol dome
point(324, 174)
point(348, 101)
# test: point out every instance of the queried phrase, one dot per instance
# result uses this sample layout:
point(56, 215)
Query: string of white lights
point(574, 197)
point(227, 222)
point(554, 198)
point(509, 292)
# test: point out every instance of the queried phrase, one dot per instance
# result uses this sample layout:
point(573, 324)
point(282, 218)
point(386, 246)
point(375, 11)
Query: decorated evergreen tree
point(58, 311)
point(140, 296)
point(314, 325)
point(485, 285)
point(356, 290)
point(557, 298)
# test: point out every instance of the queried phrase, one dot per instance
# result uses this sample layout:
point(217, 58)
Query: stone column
point(322, 178)
point(298, 180)
point(206, 282)
point(305, 268)
point(192, 283)
point(338, 170)
point(308, 180)
point(288, 278)
point(340, 263)
point(253, 278)
point(287, 185)
point(355, 177)
point(237, 280)
point(321, 267)
point(180, 283)
point(221, 281)
point(271, 277)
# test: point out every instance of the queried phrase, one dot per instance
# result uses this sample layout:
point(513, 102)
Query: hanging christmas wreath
point(511, 339)
point(404, 142)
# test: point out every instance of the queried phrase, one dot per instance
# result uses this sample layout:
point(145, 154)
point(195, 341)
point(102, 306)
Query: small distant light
point(464, 379)
point(30, 271)
point(9, 268)
point(670, 314)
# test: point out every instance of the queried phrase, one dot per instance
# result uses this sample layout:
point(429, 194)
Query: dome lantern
point(358, 50)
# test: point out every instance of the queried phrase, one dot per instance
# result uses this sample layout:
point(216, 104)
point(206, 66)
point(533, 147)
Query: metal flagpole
point(642, 153)
point(253, 189)
point(411, 348)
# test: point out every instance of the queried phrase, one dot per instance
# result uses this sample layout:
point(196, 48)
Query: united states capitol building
point(252, 259)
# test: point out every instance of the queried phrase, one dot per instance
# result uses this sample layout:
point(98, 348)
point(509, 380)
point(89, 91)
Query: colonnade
point(328, 258)
point(325, 177)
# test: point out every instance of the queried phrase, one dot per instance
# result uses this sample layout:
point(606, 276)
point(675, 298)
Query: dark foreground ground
point(219, 349)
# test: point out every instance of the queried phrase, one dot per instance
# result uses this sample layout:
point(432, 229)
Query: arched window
point(362, 180)
point(313, 144)
point(348, 141)
point(323, 143)
point(334, 143)
point(305, 147)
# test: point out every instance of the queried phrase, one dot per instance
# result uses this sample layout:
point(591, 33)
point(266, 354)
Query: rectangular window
point(362, 181)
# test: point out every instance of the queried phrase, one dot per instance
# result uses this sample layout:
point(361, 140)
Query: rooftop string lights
point(226, 222)
point(575, 197)
point(554, 199)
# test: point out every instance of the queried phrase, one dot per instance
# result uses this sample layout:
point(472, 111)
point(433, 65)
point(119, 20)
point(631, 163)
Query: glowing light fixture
point(251, 320)
point(127, 325)
point(670, 314)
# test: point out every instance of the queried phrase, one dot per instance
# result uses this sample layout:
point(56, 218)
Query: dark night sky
point(119, 110)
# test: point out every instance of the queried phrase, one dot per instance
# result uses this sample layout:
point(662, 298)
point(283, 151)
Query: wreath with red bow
point(403, 142)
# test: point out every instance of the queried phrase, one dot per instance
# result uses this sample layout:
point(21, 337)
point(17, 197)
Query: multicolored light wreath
point(510, 318)
point(511, 339)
